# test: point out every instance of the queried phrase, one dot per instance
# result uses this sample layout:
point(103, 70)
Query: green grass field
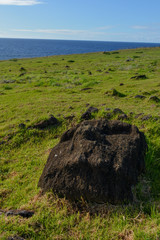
point(31, 90)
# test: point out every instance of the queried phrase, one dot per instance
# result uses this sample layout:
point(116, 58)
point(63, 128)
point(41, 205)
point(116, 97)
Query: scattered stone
point(87, 104)
point(15, 238)
point(131, 113)
point(140, 96)
point(129, 59)
point(121, 84)
point(107, 109)
point(22, 74)
point(110, 69)
point(96, 160)
point(113, 92)
point(52, 121)
point(138, 115)
point(22, 125)
point(9, 81)
point(89, 73)
point(146, 93)
point(146, 117)
point(141, 76)
point(22, 213)
point(88, 113)
point(154, 98)
point(85, 89)
point(2, 142)
point(22, 69)
point(122, 117)
point(156, 118)
point(67, 66)
point(70, 118)
point(117, 111)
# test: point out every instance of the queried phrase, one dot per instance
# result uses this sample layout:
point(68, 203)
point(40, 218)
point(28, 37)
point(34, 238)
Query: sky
point(101, 20)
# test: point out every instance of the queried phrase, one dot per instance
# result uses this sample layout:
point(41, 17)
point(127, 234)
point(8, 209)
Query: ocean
point(28, 48)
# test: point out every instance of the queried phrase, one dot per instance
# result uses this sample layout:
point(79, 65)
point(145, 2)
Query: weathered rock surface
point(154, 98)
point(140, 96)
point(52, 121)
point(98, 160)
point(22, 213)
point(140, 76)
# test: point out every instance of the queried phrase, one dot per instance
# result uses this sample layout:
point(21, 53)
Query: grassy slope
point(31, 90)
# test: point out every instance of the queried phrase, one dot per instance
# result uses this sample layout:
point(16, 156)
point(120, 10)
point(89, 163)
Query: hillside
point(65, 86)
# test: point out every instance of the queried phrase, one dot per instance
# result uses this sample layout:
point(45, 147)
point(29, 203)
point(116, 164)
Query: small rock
point(22, 125)
point(141, 76)
point(22, 74)
point(129, 59)
point(154, 98)
point(9, 81)
point(122, 117)
point(87, 104)
point(85, 89)
point(156, 118)
point(52, 121)
point(145, 118)
point(140, 96)
point(117, 111)
point(22, 213)
point(70, 118)
point(15, 238)
point(88, 113)
point(22, 69)
point(131, 113)
point(121, 84)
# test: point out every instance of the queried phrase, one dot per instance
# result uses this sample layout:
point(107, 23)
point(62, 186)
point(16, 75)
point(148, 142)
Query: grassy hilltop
point(65, 86)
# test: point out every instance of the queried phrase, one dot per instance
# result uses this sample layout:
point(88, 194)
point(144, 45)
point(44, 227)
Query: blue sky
point(104, 20)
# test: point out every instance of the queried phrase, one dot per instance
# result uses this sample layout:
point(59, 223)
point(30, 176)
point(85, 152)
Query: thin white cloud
point(138, 27)
point(57, 31)
point(19, 2)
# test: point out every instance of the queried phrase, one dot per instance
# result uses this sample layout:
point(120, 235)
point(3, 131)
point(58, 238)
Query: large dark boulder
point(98, 160)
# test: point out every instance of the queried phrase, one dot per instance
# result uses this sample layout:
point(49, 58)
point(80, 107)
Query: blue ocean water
point(27, 48)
